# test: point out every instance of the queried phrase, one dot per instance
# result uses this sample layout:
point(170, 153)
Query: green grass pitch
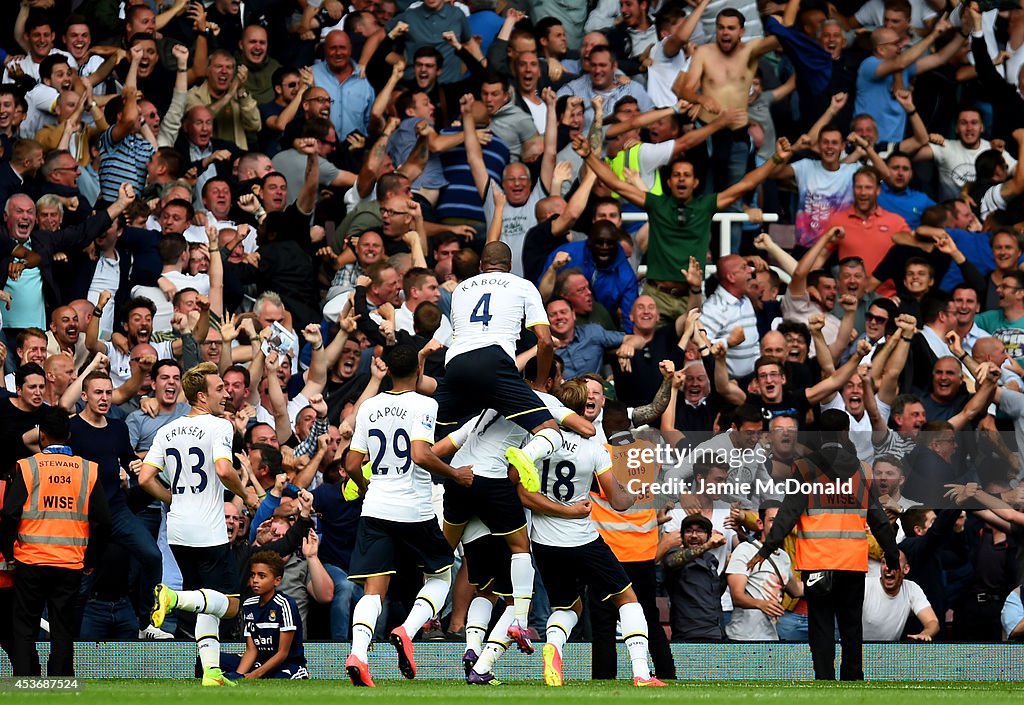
point(153, 692)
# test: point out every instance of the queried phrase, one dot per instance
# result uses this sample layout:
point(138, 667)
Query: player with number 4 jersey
point(488, 312)
point(569, 549)
point(192, 455)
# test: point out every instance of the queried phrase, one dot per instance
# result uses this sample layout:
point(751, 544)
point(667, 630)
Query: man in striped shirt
point(124, 152)
point(729, 307)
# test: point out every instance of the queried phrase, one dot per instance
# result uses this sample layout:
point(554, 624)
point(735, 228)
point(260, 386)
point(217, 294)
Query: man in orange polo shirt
point(869, 229)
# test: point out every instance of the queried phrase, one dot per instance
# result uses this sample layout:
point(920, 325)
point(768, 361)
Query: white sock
point(364, 617)
point(634, 633)
point(522, 585)
point(202, 602)
point(429, 601)
point(491, 653)
point(208, 639)
point(560, 625)
point(544, 443)
point(477, 619)
point(497, 642)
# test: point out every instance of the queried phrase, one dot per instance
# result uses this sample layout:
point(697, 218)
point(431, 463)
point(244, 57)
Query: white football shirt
point(483, 440)
point(386, 426)
point(489, 309)
point(565, 477)
point(186, 452)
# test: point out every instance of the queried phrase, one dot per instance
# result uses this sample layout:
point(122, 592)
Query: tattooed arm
point(649, 413)
point(596, 137)
point(678, 557)
point(368, 174)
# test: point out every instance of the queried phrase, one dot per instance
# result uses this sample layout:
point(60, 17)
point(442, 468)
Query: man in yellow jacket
point(54, 525)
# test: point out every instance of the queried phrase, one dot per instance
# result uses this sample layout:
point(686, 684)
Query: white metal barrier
point(725, 221)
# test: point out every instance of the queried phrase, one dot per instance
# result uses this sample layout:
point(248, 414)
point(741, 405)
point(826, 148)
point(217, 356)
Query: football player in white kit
point(488, 312)
point(192, 456)
point(393, 434)
point(569, 550)
point(492, 500)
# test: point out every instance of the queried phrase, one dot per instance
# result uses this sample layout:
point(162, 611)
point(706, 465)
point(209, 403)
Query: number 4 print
point(482, 311)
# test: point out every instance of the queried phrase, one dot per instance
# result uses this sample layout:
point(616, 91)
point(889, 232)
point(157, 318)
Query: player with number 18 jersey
point(569, 550)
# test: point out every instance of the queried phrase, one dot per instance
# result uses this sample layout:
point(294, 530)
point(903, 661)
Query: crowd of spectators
point(289, 188)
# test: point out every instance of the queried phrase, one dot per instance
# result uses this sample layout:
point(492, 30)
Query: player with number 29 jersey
point(186, 452)
point(399, 489)
point(489, 309)
point(566, 477)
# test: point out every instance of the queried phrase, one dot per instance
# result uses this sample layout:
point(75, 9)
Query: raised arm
point(823, 353)
point(474, 153)
point(316, 375)
point(904, 59)
point(283, 119)
point(798, 282)
point(278, 400)
point(603, 172)
point(547, 161)
point(919, 132)
point(828, 386)
point(725, 385)
point(753, 179)
point(943, 56)
point(766, 244)
point(372, 164)
point(888, 388)
point(130, 110)
point(498, 220)
point(835, 106)
point(577, 203)
point(842, 341)
point(979, 401)
point(650, 413)
point(92, 331)
point(306, 200)
point(675, 42)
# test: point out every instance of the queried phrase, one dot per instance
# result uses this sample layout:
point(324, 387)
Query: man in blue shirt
point(876, 75)
point(272, 627)
point(582, 347)
point(897, 196)
point(351, 96)
point(605, 265)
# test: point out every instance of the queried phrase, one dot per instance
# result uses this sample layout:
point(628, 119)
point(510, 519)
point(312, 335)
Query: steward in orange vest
point(831, 513)
point(55, 523)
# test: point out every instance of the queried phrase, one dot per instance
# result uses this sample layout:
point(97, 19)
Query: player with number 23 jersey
point(186, 452)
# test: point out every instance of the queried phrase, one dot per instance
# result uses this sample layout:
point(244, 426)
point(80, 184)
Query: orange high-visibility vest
point(6, 569)
point(633, 534)
point(831, 534)
point(54, 527)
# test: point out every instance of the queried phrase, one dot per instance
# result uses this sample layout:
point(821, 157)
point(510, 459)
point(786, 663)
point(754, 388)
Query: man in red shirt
point(869, 229)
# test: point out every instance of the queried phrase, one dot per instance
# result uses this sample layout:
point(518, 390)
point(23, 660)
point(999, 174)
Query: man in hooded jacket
point(831, 513)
